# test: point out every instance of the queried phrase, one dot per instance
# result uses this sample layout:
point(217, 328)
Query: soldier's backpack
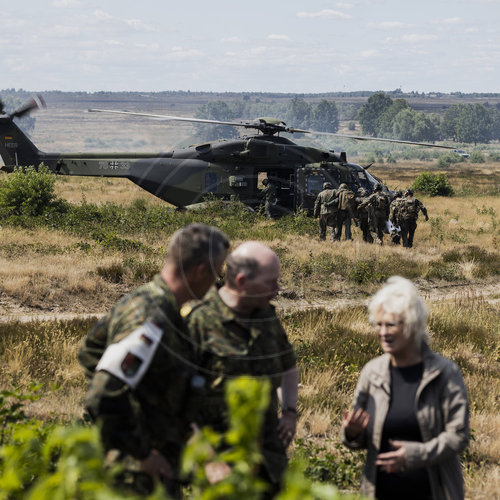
point(381, 203)
point(409, 208)
point(346, 200)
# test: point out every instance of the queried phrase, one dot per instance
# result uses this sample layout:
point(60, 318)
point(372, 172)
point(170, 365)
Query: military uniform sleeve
point(422, 208)
point(317, 205)
point(109, 400)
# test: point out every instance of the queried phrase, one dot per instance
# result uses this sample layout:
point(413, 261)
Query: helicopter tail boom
point(15, 147)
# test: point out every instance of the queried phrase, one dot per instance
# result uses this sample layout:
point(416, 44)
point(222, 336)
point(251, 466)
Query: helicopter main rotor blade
point(270, 126)
point(172, 118)
point(382, 139)
point(33, 103)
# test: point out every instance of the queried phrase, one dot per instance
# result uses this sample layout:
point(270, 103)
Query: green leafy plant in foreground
point(41, 461)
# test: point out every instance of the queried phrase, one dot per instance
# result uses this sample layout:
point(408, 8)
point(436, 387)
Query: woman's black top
point(401, 425)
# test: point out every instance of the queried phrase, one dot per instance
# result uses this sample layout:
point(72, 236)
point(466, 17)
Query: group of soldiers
point(159, 361)
point(339, 208)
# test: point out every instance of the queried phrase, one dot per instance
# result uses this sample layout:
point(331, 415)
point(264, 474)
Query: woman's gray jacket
point(443, 417)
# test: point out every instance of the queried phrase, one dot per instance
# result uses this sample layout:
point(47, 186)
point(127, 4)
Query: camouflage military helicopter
point(229, 169)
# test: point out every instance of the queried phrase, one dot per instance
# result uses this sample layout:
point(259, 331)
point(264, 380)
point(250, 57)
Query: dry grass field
point(55, 283)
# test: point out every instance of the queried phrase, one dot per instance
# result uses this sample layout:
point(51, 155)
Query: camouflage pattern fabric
point(364, 213)
point(409, 208)
point(323, 204)
point(269, 196)
point(380, 202)
point(229, 345)
point(151, 416)
point(394, 210)
point(408, 215)
point(326, 208)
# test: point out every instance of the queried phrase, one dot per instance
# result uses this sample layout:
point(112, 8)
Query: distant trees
point(215, 110)
point(323, 117)
point(470, 123)
point(380, 116)
point(383, 117)
point(370, 114)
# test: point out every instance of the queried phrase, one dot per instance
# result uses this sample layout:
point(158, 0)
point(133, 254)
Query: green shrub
point(433, 184)
point(27, 191)
point(477, 157)
point(447, 159)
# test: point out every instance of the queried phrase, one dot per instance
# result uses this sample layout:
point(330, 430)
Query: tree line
point(380, 116)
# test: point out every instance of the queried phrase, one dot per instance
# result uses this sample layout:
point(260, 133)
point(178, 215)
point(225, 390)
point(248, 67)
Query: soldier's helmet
point(265, 182)
point(409, 192)
point(398, 194)
point(327, 185)
point(343, 186)
point(378, 187)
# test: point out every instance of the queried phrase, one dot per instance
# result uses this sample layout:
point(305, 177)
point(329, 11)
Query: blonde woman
point(410, 407)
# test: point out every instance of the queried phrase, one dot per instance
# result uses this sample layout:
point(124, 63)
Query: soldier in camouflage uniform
point(325, 208)
point(139, 362)
point(346, 204)
point(408, 215)
point(269, 195)
point(380, 202)
point(236, 332)
point(394, 217)
point(363, 213)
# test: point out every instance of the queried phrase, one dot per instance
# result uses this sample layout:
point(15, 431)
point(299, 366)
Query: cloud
point(448, 20)
point(62, 31)
point(62, 4)
point(369, 53)
point(390, 25)
point(231, 39)
point(181, 54)
point(415, 38)
point(135, 24)
point(341, 5)
point(324, 14)
point(284, 38)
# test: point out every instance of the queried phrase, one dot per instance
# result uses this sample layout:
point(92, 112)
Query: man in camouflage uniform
point(325, 208)
point(408, 215)
point(363, 213)
point(346, 204)
point(236, 332)
point(269, 195)
point(380, 202)
point(394, 217)
point(139, 362)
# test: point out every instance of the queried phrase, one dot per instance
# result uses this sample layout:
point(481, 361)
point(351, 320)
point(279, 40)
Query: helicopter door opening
point(285, 192)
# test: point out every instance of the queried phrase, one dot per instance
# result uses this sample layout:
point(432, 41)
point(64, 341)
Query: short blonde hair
point(400, 297)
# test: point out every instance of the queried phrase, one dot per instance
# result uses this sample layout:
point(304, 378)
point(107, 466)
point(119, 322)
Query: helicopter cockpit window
point(211, 182)
point(361, 179)
point(314, 183)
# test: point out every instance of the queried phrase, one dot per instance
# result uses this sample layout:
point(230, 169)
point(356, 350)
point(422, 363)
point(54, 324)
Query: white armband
point(129, 359)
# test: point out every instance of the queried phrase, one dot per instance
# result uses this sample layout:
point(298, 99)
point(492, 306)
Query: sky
point(312, 46)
